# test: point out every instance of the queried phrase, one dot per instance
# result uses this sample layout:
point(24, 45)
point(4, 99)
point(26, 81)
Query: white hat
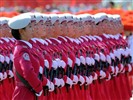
point(38, 17)
point(54, 18)
point(85, 17)
point(100, 16)
point(4, 20)
point(69, 17)
point(19, 22)
point(89, 17)
point(79, 17)
point(110, 17)
point(62, 18)
point(82, 17)
point(32, 15)
point(75, 18)
point(45, 17)
point(117, 17)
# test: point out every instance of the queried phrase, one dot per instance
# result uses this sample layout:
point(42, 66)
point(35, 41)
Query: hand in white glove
point(62, 83)
point(56, 82)
point(102, 74)
point(75, 79)
point(81, 79)
point(51, 87)
point(112, 69)
point(95, 76)
point(91, 79)
point(48, 84)
point(129, 68)
point(109, 77)
point(10, 74)
point(116, 71)
point(5, 75)
point(121, 68)
point(88, 80)
point(1, 76)
point(39, 94)
point(68, 81)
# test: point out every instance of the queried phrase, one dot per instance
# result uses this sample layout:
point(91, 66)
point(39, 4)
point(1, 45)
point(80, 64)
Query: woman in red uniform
point(28, 85)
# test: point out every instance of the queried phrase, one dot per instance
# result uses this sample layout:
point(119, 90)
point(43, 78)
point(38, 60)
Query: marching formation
point(64, 56)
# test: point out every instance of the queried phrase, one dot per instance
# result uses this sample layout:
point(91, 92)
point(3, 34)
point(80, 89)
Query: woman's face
point(5, 31)
point(63, 28)
point(75, 25)
point(94, 29)
point(40, 29)
point(70, 28)
point(34, 28)
point(112, 27)
point(1, 32)
point(28, 32)
point(80, 29)
point(48, 29)
point(89, 27)
point(56, 29)
point(120, 28)
point(86, 28)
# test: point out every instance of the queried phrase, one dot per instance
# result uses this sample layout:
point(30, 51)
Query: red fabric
point(6, 89)
point(123, 85)
point(29, 69)
point(34, 3)
point(94, 87)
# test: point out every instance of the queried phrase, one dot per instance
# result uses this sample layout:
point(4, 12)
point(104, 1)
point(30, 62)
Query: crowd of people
point(64, 56)
point(59, 6)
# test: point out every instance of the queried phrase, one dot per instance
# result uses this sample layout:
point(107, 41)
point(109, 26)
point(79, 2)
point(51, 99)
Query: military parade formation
point(64, 57)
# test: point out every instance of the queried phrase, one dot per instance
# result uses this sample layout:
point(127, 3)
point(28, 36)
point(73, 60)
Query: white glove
point(69, 81)
point(82, 60)
point(48, 83)
point(51, 87)
point(77, 61)
point(46, 63)
point(5, 75)
point(70, 62)
point(112, 69)
point(1, 76)
point(102, 74)
point(81, 79)
point(116, 71)
point(10, 74)
point(56, 82)
point(75, 79)
point(87, 80)
point(39, 94)
point(54, 64)
point(109, 77)
point(129, 68)
point(95, 76)
point(121, 67)
point(91, 79)
point(62, 83)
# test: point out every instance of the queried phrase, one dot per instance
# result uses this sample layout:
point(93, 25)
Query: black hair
point(112, 3)
point(16, 34)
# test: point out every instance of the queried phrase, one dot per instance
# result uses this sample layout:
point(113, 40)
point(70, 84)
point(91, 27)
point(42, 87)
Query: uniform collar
point(5, 39)
point(34, 40)
point(27, 43)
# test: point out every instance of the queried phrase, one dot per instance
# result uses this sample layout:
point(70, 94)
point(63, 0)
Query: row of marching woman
point(64, 56)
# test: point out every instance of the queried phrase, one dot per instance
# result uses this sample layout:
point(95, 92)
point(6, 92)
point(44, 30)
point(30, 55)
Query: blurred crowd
point(77, 7)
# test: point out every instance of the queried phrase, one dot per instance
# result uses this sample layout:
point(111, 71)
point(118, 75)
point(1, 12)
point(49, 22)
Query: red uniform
point(27, 65)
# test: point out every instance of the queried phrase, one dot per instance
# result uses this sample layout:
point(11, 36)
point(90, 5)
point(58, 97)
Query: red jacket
point(27, 65)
